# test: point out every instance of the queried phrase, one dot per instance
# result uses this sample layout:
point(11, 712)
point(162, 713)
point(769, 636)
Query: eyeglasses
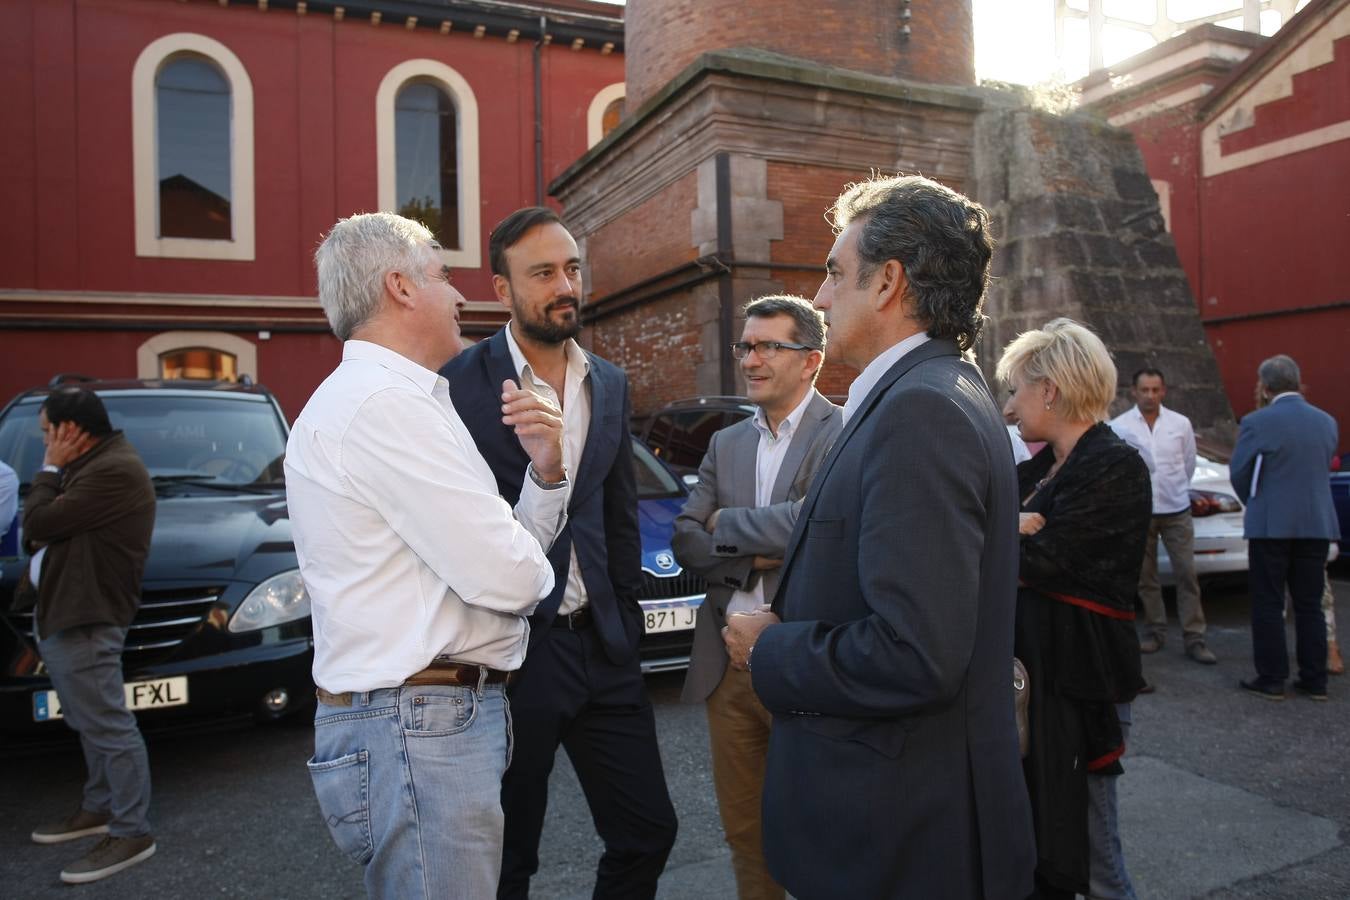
point(765, 349)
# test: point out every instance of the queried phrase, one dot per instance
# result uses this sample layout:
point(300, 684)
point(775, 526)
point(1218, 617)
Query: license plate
point(678, 618)
point(155, 694)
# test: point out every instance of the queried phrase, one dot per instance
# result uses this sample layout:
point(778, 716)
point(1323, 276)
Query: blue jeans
point(409, 782)
point(1108, 879)
point(85, 665)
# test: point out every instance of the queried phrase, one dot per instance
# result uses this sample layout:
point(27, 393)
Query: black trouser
point(1299, 564)
point(569, 693)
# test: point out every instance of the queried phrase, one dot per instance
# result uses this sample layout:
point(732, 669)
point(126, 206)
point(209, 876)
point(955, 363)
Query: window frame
point(244, 351)
point(145, 151)
point(595, 113)
point(470, 252)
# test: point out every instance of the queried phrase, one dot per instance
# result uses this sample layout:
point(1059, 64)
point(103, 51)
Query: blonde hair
point(1073, 359)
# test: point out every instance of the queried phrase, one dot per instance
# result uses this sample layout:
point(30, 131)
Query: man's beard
point(545, 330)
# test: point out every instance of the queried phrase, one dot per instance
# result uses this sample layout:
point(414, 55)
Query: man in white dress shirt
point(419, 575)
point(1166, 441)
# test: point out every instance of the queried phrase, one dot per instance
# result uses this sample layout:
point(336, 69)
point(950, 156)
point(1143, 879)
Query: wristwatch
point(54, 470)
point(547, 485)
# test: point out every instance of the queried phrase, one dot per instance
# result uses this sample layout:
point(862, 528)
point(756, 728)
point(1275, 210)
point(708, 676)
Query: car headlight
point(1209, 503)
point(281, 598)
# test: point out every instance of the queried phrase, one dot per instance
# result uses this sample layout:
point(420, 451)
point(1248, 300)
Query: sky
point(1015, 39)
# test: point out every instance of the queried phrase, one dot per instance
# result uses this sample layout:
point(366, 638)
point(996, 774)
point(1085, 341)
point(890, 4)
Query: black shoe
point(1310, 692)
point(1264, 689)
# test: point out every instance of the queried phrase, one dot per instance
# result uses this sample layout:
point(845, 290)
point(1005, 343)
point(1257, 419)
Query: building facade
point(170, 166)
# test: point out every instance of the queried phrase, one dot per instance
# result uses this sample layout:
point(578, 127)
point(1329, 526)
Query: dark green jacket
point(96, 519)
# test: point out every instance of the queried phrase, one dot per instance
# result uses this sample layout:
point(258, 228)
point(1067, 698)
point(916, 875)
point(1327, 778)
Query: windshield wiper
point(207, 481)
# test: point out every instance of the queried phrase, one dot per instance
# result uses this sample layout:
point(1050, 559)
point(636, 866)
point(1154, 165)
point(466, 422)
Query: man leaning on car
point(88, 520)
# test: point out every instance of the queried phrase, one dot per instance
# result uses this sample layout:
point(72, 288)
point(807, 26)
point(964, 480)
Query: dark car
point(679, 433)
point(1340, 494)
point(224, 621)
point(670, 595)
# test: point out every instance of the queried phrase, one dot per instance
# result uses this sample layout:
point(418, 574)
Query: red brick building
point(1247, 140)
point(170, 165)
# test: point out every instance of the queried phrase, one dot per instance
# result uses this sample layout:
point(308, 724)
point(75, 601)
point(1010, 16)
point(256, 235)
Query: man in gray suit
point(893, 768)
point(1280, 472)
point(733, 531)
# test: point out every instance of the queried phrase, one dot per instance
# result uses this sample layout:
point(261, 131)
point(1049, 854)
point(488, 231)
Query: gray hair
point(808, 323)
point(356, 256)
point(1279, 374)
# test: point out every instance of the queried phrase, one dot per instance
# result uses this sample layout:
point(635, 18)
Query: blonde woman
point(1086, 504)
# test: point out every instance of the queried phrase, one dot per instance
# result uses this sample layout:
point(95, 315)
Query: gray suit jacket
point(727, 482)
point(1294, 442)
point(893, 768)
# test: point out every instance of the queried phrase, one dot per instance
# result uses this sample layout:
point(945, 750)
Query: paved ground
point(1226, 796)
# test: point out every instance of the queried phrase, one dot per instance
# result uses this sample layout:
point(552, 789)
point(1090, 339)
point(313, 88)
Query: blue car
point(670, 596)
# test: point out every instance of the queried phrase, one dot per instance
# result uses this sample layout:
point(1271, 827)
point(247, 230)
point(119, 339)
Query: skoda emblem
point(664, 560)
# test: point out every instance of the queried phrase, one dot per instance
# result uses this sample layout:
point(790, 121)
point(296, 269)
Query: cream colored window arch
point(595, 113)
point(469, 253)
point(151, 354)
point(145, 151)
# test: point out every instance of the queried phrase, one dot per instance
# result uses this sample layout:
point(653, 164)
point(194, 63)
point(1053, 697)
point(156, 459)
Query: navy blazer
point(602, 511)
point(1295, 442)
point(893, 769)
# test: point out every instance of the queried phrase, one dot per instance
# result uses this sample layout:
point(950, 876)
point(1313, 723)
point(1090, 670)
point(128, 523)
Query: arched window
point(426, 145)
point(192, 147)
point(207, 363)
point(604, 113)
point(192, 124)
point(212, 355)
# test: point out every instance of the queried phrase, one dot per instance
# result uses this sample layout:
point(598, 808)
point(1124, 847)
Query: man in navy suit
point(581, 684)
point(893, 768)
point(1280, 471)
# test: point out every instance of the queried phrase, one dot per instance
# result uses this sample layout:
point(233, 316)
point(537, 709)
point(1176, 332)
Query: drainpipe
point(726, 295)
point(539, 114)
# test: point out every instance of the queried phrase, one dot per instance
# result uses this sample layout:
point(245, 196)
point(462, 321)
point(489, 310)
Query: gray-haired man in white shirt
point(417, 626)
point(1166, 441)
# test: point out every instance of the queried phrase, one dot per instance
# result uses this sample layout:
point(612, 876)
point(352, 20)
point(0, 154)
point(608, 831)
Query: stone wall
point(1081, 235)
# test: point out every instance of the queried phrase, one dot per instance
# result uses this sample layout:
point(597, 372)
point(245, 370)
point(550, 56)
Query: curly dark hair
point(939, 236)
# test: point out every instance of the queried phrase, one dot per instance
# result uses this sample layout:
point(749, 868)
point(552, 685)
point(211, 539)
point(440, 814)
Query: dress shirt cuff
point(547, 485)
point(543, 510)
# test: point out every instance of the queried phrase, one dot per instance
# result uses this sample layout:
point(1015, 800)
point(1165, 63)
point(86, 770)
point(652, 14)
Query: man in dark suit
point(1280, 472)
point(893, 766)
point(733, 531)
point(581, 685)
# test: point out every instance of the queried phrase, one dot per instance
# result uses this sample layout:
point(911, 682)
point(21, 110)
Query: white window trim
point(245, 352)
point(470, 253)
point(595, 113)
point(145, 152)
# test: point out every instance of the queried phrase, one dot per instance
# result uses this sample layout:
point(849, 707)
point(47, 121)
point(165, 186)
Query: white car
point(1220, 548)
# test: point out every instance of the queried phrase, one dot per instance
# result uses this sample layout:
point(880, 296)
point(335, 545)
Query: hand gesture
point(538, 427)
point(66, 443)
point(741, 632)
point(1029, 523)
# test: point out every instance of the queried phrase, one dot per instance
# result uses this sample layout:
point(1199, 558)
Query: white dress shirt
point(1168, 448)
point(863, 384)
point(576, 416)
point(769, 456)
point(9, 498)
point(405, 547)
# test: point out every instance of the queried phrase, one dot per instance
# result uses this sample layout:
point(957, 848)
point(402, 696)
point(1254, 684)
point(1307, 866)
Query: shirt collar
point(789, 423)
point(863, 384)
point(392, 360)
point(576, 357)
point(1281, 396)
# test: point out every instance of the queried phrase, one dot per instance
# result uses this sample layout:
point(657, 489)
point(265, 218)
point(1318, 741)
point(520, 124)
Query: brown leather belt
point(576, 620)
point(461, 674)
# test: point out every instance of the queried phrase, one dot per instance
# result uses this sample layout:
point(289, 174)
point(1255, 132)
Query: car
point(1220, 548)
point(678, 434)
point(224, 622)
point(671, 595)
point(1340, 493)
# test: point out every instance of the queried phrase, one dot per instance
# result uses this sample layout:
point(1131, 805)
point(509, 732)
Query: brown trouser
point(1178, 536)
point(738, 729)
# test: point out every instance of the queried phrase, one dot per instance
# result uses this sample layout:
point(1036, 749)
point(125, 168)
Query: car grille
point(167, 617)
point(685, 584)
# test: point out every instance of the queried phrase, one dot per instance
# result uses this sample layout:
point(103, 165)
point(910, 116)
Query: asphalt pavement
point(1225, 796)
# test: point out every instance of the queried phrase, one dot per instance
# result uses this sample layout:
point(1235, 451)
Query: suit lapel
point(500, 366)
point(744, 464)
point(592, 452)
point(815, 413)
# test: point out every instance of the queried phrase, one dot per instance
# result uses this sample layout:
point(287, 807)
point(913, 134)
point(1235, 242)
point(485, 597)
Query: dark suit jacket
point(727, 481)
point(602, 511)
point(1295, 442)
point(893, 768)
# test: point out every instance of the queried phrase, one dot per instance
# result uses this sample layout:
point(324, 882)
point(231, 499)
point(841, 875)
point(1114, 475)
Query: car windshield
point(653, 479)
point(211, 439)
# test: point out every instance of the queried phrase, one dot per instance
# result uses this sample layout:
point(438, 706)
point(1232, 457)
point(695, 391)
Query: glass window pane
point(1131, 10)
point(193, 132)
point(199, 362)
point(1270, 21)
point(1183, 10)
point(426, 151)
point(609, 119)
point(1119, 42)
